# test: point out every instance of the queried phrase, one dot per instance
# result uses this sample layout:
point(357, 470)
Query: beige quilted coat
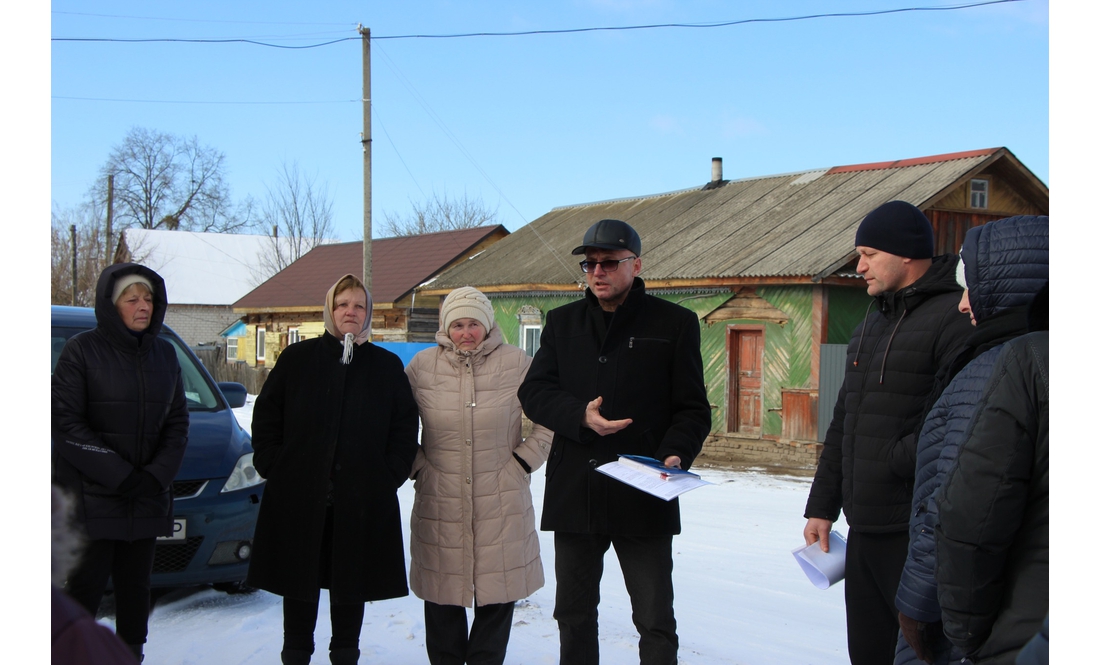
point(473, 525)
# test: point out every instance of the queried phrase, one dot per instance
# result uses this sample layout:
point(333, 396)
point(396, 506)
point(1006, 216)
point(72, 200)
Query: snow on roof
point(201, 268)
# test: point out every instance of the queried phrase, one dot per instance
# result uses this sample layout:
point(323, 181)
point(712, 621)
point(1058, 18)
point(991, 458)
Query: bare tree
point(297, 210)
point(439, 214)
point(92, 254)
point(164, 181)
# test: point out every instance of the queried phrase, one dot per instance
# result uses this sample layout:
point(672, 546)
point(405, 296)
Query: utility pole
point(366, 141)
point(109, 258)
point(72, 237)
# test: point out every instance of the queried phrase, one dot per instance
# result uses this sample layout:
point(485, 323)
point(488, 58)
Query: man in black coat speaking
point(913, 329)
point(618, 372)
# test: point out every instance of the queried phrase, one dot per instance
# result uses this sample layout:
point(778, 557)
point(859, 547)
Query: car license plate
point(179, 531)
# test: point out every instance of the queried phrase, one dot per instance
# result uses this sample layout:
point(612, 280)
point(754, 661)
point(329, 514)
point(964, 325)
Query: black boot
point(296, 656)
point(137, 649)
point(297, 649)
point(344, 656)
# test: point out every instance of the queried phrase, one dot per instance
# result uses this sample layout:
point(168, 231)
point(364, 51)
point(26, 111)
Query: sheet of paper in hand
point(823, 568)
point(651, 476)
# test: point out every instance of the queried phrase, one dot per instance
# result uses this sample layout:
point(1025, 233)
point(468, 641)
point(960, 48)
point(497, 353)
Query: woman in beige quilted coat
point(473, 541)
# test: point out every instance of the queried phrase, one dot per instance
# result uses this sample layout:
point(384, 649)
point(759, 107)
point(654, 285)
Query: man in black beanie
point(913, 329)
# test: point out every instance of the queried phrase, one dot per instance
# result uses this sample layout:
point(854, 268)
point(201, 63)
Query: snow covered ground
point(740, 596)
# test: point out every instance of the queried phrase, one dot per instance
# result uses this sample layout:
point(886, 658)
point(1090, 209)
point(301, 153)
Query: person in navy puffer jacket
point(1003, 265)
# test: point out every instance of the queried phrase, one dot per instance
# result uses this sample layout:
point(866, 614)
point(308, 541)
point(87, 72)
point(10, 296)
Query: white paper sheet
point(823, 568)
point(667, 489)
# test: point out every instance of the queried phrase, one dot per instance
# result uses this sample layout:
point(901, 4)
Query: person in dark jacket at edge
point(618, 372)
point(76, 637)
point(120, 424)
point(912, 330)
point(334, 432)
point(992, 541)
point(1003, 264)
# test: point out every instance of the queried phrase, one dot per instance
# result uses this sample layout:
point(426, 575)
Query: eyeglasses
point(610, 265)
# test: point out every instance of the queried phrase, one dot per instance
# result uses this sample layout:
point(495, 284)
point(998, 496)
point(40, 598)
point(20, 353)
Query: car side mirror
point(235, 393)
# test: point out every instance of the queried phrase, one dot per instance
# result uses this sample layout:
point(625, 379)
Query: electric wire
point(562, 31)
point(462, 148)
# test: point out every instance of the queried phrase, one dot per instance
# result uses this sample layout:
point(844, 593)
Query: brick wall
point(721, 449)
point(199, 324)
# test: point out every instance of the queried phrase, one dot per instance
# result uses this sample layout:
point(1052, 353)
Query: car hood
point(214, 444)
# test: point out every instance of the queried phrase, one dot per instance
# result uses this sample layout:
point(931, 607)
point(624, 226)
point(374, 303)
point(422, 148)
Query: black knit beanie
point(897, 228)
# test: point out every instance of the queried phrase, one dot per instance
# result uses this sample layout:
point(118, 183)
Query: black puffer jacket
point(992, 542)
point(118, 405)
point(1004, 259)
point(647, 366)
point(866, 465)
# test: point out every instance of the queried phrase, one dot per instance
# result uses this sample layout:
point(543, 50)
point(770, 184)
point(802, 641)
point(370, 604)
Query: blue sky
point(533, 122)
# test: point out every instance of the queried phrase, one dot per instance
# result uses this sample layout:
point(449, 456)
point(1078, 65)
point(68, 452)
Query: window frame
point(261, 344)
point(523, 330)
point(233, 343)
point(983, 193)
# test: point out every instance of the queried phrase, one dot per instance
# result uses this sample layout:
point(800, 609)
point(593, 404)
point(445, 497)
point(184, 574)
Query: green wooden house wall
point(787, 347)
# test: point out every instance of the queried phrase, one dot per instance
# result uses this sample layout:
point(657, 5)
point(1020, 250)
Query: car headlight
point(244, 475)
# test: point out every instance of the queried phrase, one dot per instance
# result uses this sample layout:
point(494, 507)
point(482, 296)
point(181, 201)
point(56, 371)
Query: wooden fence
point(213, 357)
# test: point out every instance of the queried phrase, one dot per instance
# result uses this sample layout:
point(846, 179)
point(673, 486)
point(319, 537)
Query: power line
point(192, 20)
point(458, 144)
point(222, 41)
point(524, 33)
point(174, 101)
point(721, 24)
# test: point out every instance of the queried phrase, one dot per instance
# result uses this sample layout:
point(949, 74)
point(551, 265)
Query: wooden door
point(745, 351)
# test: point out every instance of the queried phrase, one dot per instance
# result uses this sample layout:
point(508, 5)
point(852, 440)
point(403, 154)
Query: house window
point(230, 348)
point(530, 328)
point(979, 193)
point(531, 335)
point(292, 336)
point(261, 352)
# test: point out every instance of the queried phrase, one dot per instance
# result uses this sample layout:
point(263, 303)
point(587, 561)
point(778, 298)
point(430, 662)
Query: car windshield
point(199, 392)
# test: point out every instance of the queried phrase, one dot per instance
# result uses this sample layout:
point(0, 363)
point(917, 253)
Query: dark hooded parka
point(866, 464)
point(118, 406)
point(326, 433)
point(993, 536)
point(1006, 265)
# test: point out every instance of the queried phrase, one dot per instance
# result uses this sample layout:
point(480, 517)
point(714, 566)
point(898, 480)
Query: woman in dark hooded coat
point(119, 432)
point(1003, 267)
point(334, 429)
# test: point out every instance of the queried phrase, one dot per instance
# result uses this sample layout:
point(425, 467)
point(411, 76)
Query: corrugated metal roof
point(397, 265)
point(796, 224)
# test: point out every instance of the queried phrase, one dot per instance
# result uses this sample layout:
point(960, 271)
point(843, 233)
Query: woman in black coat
point(334, 431)
point(120, 423)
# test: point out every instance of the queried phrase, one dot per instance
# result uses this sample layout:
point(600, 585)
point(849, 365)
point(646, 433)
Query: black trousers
point(300, 620)
point(300, 616)
point(129, 565)
point(646, 562)
point(872, 572)
point(448, 643)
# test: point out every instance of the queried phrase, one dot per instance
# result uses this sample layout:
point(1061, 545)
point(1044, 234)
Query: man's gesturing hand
point(600, 425)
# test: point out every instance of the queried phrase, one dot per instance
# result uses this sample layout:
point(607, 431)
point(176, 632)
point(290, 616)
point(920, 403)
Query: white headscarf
point(350, 340)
